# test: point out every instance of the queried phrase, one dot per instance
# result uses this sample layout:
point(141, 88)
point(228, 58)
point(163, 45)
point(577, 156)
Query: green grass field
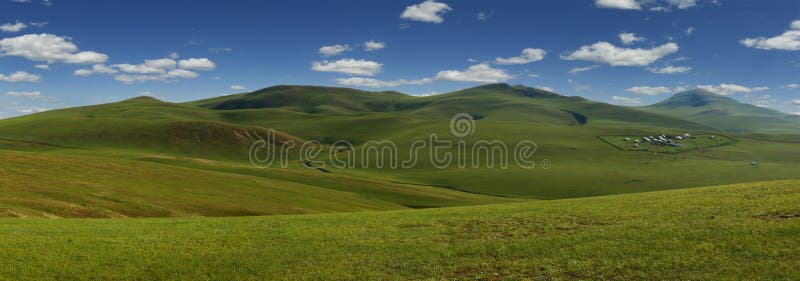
point(743, 231)
point(146, 189)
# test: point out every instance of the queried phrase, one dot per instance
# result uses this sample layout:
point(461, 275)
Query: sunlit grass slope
point(55, 184)
point(743, 231)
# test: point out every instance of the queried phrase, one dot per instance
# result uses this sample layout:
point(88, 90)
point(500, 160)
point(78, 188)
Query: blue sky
point(62, 53)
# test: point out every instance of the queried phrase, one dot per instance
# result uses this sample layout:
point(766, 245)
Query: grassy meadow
point(149, 190)
point(742, 231)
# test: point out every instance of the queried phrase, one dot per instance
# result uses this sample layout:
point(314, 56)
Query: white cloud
point(533, 75)
point(605, 52)
point(428, 11)
point(42, 66)
point(582, 69)
point(545, 88)
point(31, 110)
point(788, 41)
point(630, 38)
point(759, 89)
point(49, 48)
point(197, 64)
point(181, 73)
point(650, 91)
point(662, 6)
point(20, 76)
point(333, 50)
point(481, 73)
point(682, 4)
point(96, 69)
point(23, 94)
point(38, 24)
point(725, 89)
point(618, 4)
point(669, 69)
point(238, 87)
point(172, 75)
point(626, 100)
point(375, 83)
point(12, 27)
point(349, 67)
point(795, 102)
point(528, 55)
point(161, 63)
point(371, 45)
point(790, 86)
point(174, 55)
point(163, 69)
point(21, 1)
point(690, 30)
point(139, 68)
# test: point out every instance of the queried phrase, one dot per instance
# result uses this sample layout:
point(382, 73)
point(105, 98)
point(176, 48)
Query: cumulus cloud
point(96, 69)
point(23, 94)
point(238, 87)
point(371, 45)
point(655, 5)
point(348, 66)
point(171, 75)
point(163, 69)
point(669, 69)
point(582, 69)
point(197, 64)
point(428, 11)
point(650, 91)
point(375, 83)
point(690, 30)
point(12, 27)
point(630, 38)
point(333, 50)
point(727, 89)
point(528, 55)
point(604, 52)
point(49, 48)
point(481, 73)
point(787, 41)
point(790, 86)
point(618, 4)
point(20, 76)
point(626, 100)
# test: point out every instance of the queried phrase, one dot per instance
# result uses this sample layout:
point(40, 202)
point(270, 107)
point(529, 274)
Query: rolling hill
point(566, 130)
point(743, 231)
point(725, 113)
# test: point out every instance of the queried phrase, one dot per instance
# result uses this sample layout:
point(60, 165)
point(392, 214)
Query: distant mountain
point(498, 101)
point(725, 113)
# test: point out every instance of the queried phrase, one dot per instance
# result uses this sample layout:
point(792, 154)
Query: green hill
point(743, 231)
point(565, 129)
point(725, 113)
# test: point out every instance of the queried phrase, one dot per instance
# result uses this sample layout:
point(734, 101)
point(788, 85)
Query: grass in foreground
point(743, 231)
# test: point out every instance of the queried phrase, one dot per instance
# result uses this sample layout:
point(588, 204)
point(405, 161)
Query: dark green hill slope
point(497, 102)
point(725, 113)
